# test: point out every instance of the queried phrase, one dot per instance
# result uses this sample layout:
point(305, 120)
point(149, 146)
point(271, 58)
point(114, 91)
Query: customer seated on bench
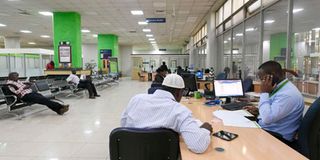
point(24, 91)
point(87, 84)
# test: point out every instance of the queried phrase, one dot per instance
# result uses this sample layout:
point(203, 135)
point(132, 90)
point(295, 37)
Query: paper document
point(235, 118)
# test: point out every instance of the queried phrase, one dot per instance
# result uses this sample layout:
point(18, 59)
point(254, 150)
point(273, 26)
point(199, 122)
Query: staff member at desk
point(162, 71)
point(163, 110)
point(281, 103)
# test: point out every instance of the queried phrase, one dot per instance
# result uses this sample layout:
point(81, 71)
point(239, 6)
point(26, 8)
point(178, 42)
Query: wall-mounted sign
point(64, 52)
point(105, 53)
point(156, 20)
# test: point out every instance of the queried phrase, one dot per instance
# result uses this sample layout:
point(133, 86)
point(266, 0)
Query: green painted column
point(277, 42)
point(67, 27)
point(107, 41)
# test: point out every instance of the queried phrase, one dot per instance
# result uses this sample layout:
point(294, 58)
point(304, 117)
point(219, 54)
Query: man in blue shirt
point(281, 103)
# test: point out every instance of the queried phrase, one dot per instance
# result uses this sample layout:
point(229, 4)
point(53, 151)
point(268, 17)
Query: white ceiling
point(108, 17)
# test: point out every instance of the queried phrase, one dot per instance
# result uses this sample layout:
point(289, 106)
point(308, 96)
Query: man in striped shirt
point(24, 91)
point(163, 110)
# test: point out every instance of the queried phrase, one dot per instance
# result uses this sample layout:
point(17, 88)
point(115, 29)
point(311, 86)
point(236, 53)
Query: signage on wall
point(64, 51)
point(105, 53)
point(156, 20)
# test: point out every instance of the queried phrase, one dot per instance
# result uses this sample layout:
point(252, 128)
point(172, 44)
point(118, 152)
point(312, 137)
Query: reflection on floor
point(81, 134)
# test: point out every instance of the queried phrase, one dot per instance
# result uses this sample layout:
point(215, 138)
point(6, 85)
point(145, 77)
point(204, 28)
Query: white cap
point(173, 81)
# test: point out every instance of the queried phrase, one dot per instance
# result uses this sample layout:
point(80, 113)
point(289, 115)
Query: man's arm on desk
point(196, 138)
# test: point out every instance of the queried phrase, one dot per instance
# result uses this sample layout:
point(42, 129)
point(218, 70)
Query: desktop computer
point(230, 89)
point(189, 82)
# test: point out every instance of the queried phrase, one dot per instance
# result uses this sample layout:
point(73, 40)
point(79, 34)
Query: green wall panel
point(107, 41)
point(67, 27)
point(279, 41)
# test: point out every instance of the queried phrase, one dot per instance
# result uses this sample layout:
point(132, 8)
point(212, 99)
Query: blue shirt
point(282, 112)
point(160, 110)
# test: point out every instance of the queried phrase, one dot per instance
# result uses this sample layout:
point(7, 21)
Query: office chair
point(144, 144)
point(247, 85)
point(309, 132)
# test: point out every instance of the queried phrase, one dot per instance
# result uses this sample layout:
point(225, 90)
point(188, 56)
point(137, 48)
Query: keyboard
point(235, 106)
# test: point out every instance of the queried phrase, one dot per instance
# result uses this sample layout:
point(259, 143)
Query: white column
point(212, 52)
point(12, 42)
point(192, 57)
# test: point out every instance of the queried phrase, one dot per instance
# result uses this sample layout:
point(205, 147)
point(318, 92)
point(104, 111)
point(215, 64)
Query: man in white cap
point(163, 110)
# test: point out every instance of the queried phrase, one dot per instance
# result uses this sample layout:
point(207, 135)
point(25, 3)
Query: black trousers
point(89, 86)
point(40, 99)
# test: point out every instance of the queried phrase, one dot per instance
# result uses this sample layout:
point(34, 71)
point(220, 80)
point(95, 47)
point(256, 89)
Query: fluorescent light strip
point(45, 36)
point(25, 31)
point(151, 39)
point(46, 13)
point(316, 29)
point(297, 10)
point(149, 35)
point(2, 25)
point(85, 31)
point(239, 34)
point(137, 12)
point(269, 21)
point(95, 35)
point(250, 29)
point(142, 23)
point(32, 43)
point(146, 30)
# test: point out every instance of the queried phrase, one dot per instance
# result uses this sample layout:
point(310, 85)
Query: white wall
point(90, 53)
point(125, 60)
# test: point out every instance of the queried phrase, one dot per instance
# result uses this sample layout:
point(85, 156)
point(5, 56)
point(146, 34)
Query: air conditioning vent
point(132, 31)
point(160, 11)
point(24, 12)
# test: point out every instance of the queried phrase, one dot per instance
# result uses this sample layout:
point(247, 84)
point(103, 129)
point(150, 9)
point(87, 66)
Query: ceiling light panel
point(137, 12)
point(146, 30)
point(25, 31)
point(46, 13)
point(2, 25)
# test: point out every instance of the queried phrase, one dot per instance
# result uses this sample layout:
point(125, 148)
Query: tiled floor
point(81, 134)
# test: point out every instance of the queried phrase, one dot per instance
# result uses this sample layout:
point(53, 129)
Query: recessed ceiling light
point(146, 30)
point(137, 12)
point(316, 29)
point(32, 43)
point(46, 13)
point(85, 31)
point(297, 10)
point(149, 35)
point(268, 21)
point(25, 31)
point(95, 35)
point(225, 41)
point(250, 29)
point(151, 39)
point(142, 23)
point(2, 25)
point(153, 42)
point(45, 36)
point(239, 34)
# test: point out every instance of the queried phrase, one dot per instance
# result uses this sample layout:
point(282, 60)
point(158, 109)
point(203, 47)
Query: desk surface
point(252, 143)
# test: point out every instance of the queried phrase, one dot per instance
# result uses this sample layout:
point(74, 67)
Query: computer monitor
point(189, 82)
point(199, 75)
point(228, 88)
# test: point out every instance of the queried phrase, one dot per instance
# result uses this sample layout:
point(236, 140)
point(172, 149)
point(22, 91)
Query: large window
point(237, 50)
point(306, 45)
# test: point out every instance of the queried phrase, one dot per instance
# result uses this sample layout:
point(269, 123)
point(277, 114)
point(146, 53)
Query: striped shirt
point(19, 88)
point(160, 110)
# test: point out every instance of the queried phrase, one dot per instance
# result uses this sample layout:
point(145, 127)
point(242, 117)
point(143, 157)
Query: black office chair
point(144, 144)
point(309, 132)
point(247, 85)
point(221, 76)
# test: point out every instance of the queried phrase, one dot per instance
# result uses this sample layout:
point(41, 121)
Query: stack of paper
point(235, 118)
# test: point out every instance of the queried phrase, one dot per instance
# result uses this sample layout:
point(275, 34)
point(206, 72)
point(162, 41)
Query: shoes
point(92, 97)
point(64, 109)
point(97, 95)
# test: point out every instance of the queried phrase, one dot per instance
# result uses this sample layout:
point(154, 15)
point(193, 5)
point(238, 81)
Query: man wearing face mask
point(163, 110)
point(281, 103)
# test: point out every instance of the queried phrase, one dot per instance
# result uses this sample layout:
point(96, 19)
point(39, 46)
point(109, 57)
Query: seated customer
point(281, 103)
point(24, 91)
point(161, 73)
point(87, 84)
point(163, 110)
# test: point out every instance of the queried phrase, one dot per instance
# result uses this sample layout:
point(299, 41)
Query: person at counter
point(162, 71)
point(83, 83)
point(281, 103)
point(50, 66)
point(163, 110)
point(23, 90)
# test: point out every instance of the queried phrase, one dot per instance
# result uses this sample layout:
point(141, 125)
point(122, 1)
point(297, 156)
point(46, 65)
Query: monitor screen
point(190, 81)
point(228, 88)
point(199, 75)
